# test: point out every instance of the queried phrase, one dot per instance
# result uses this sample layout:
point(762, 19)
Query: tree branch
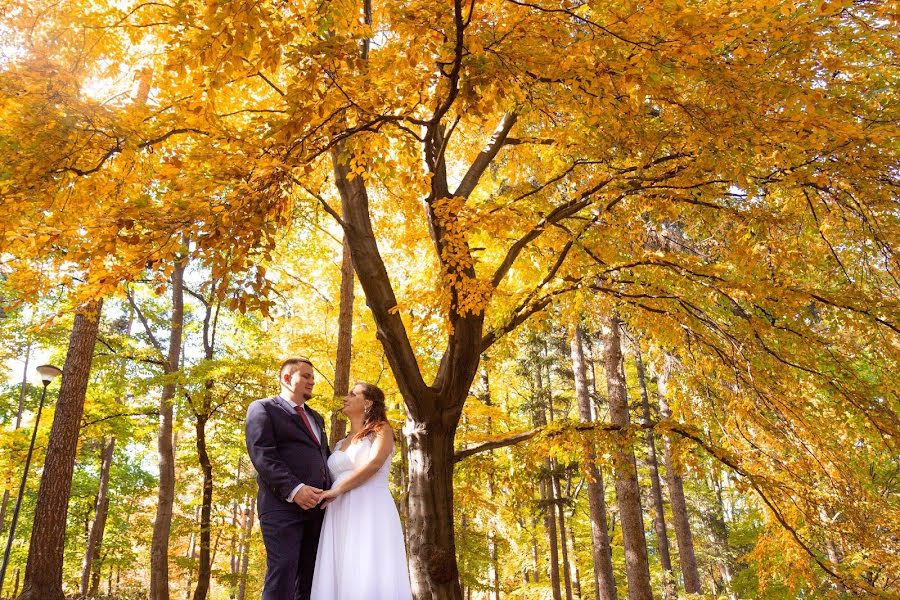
point(507, 441)
point(144, 322)
point(486, 156)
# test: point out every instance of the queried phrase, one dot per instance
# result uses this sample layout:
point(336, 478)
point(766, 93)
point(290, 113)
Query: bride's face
point(355, 403)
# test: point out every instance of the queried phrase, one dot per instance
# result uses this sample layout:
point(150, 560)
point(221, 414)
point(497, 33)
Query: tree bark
point(718, 526)
point(552, 539)
point(492, 536)
point(545, 485)
point(676, 495)
point(344, 342)
point(162, 525)
point(44, 570)
point(604, 579)
point(98, 527)
point(204, 570)
point(245, 548)
point(556, 495)
point(236, 547)
point(637, 568)
point(659, 518)
point(563, 541)
point(433, 411)
point(432, 548)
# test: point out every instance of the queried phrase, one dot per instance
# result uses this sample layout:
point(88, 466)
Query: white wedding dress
point(362, 555)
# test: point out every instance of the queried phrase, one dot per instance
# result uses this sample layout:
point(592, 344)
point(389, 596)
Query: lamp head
point(48, 373)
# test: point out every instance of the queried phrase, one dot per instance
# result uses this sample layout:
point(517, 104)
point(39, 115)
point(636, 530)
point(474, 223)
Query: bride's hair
point(376, 414)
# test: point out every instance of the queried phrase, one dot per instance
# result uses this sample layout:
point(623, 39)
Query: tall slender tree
point(683, 535)
point(628, 495)
point(604, 578)
point(91, 567)
point(162, 524)
point(659, 512)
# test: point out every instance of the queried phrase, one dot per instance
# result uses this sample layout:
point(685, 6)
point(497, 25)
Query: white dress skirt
point(362, 555)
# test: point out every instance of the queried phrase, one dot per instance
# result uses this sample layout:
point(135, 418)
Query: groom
point(287, 445)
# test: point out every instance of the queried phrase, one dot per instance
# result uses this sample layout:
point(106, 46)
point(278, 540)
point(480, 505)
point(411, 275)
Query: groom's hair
point(292, 364)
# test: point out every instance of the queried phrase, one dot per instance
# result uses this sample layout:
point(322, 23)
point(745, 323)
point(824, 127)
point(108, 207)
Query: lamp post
point(48, 373)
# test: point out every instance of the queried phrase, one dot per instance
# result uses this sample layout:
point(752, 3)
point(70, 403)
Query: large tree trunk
point(676, 495)
point(162, 525)
point(344, 343)
point(604, 579)
point(44, 570)
point(432, 548)
point(95, 539)
point(659, 515)
point(432, 411)
point(204, 569)
point(637, 568)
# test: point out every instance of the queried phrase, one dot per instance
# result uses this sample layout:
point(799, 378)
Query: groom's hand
point(307, 497)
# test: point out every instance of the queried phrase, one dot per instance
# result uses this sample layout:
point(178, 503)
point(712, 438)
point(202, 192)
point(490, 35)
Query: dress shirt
point(316, 432)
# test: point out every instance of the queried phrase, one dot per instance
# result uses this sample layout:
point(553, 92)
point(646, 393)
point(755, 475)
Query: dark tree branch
point(146, 325)
point(486, 156)
point(507, 441)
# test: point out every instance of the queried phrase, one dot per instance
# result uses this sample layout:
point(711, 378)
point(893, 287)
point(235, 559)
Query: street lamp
point(48, 373)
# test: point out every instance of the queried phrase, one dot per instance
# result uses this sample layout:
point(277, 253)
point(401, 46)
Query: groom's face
point(302, 381)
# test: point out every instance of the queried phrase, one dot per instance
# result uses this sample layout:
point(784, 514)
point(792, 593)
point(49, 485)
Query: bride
point(361, 553)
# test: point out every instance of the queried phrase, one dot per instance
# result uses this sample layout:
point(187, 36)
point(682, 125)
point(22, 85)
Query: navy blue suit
point(285, 454)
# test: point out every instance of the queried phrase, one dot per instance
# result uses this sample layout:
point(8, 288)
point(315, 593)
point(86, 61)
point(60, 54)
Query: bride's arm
point(382, 446)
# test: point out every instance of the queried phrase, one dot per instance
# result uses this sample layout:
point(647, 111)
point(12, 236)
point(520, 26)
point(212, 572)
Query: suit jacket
point(284, 453)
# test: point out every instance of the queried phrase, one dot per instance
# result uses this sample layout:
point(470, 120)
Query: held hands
point(328, 496)
point(307, 497)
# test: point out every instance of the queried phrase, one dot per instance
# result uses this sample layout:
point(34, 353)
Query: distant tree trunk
point(101, 510)
point(4, 504)
point(204, 570)
point(833, 553)
point(191, 555)
point(676, 495)
point(535, 552)
point(344, 343)
point(22, 390)
point(236, 548)
point(550, 528)
point(604, 579)
point(44, 570)
point(719, 528)
point(576, 582)
point(637, 567)
point(546, 486)
point(659, 515)
point(492, 539)
point(563, 542)
point(245, 548)
point(162, 525)
point(556, 491)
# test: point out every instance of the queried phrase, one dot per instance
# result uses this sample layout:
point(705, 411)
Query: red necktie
point(305, 420)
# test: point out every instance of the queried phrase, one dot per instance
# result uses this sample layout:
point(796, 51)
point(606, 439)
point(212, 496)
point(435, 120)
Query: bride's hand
point(328, 497)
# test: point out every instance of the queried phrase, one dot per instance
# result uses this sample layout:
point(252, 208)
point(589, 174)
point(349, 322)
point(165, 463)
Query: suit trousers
point(291, 539)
